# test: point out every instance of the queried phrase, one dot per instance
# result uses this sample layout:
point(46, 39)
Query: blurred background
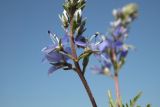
point(24, 81)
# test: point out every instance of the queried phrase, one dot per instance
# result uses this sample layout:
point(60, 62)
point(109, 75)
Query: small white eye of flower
point(106, 71)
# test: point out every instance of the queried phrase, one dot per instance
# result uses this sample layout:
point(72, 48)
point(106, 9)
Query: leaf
point(79, 19)
point(66, 7)
point(74, 26)
point(85, 63)
point(148, 105)
point(127, 105)
point(122, 61)
point(81, 29)
point(85, 54)
point(111, 101)
point(81, 4)
point(134, 100)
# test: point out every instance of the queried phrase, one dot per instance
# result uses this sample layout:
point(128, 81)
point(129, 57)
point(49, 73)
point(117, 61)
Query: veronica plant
point(110, 50)
point(62, 54)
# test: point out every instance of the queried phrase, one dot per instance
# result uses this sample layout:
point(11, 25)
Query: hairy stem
point(81, 76)
point(78, 69)
point(72, 39)
point(118, 97)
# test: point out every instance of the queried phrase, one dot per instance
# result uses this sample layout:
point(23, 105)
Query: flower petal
point(106, 60)
point(65, 39)
point(79, 43)
point(48, 49)
point(52, 69)
point(103, 45)
point(96, 70)
point(93, 47)
point(117, 31)
point(124, 53)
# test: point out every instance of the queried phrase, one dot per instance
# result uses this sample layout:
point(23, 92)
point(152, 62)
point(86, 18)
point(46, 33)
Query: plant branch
point(78, 69)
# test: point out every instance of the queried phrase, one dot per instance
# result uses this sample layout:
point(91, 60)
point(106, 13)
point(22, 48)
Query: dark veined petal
point(52, 69)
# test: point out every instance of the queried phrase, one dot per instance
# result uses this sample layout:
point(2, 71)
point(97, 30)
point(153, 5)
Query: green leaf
point(74, 26)
point(135, 99)
point(122, 61)
point(112, 103)
point(81, 4)
point(66, 7)
point(85, 54)
point(148, 105)
point(79, 19)
point(81, 29)
point(85, 63)
point(127, 105)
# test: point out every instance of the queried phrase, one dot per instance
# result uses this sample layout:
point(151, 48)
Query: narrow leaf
point(85, 63)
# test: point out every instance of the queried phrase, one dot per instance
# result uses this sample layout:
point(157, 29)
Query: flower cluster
point(73, 12)
point(113, 49)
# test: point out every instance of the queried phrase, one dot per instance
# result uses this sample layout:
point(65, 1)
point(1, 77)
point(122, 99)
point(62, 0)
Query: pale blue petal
point(79, 43)
point(105, 44)
point(96, 70)
point(52, 69)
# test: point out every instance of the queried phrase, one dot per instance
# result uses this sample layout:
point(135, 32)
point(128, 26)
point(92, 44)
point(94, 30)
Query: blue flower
point(54, 57)
point(91, 43)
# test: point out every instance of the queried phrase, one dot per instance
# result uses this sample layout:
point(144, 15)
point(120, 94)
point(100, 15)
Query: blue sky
point(23, 77)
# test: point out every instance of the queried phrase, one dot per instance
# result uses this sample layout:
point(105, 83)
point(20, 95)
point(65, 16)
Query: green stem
point(78, 69)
